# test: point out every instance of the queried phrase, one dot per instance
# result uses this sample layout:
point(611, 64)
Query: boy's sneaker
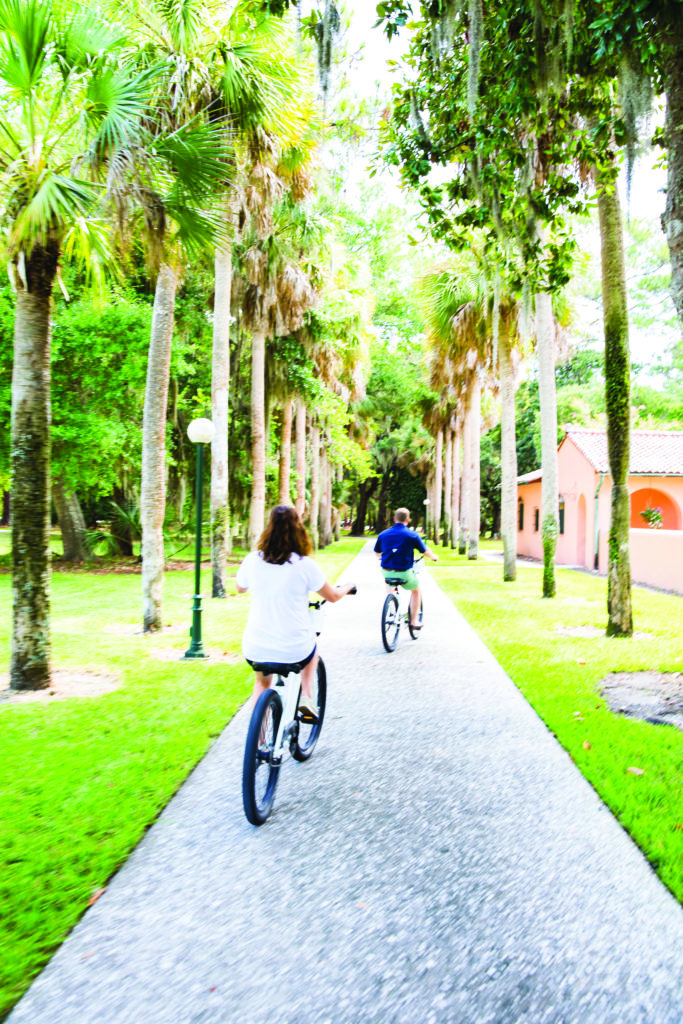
point(308, 709)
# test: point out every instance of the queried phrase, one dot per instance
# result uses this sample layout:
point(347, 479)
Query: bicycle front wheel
point(259, 771)
point(420, 618)
point(391, 623)
point(310, 731)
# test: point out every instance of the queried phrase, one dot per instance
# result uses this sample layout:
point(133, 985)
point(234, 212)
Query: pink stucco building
point(655, 482)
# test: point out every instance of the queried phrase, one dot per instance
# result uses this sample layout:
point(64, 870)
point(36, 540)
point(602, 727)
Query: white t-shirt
point(279, 627)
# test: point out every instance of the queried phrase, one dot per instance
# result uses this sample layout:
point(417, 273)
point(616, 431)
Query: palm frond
point(26, 25)
point(199, 157)
point(56, 203)
point(183, 20)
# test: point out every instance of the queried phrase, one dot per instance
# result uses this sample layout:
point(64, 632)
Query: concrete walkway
point(439, 860)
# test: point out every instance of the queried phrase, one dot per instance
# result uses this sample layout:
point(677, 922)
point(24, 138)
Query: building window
point(537, 516)
point(520, 516)
point(561, 517)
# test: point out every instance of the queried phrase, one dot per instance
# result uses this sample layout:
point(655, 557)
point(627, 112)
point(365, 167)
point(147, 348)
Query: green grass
point(82, 779)
point(560, 676)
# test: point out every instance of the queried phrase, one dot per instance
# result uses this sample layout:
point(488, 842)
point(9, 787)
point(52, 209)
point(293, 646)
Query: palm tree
point(257, 87)
point(172, 175)
point(455, 312)
point(69, 101)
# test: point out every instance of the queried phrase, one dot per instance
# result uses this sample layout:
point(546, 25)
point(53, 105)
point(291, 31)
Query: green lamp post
point(200, 432)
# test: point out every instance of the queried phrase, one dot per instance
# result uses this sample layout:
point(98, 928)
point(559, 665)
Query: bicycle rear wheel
point(391, 623)
point(420, 617)
point(259, 772)
point(310, 731)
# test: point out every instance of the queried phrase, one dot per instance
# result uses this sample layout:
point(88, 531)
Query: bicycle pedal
point(308, 718)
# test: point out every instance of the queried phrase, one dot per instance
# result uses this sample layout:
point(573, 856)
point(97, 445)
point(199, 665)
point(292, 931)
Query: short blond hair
point(402, 515)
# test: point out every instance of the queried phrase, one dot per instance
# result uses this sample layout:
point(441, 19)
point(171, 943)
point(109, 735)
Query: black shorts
point(269, 668)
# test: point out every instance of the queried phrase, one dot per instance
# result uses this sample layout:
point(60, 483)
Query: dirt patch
point(135, 629)
point(655, 697)
point(65, 684)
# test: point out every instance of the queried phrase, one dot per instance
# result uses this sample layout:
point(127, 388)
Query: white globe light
point(426, 501)
point(201, 431)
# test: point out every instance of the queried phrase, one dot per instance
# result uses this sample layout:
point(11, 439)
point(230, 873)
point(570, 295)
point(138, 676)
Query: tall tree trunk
point(447, 485)
point(5, 516)
point(382, 520)
point(618, 404)
point(153, 487)
point(545, 346)
point(257, 511)
point(463, 529)
point(30, 457)
point(325, 511)
point(315, 484)
point(71, 522)
point(672, 218)
point(454, 497)
point(300, 457)
point(220, 390)
point(438, 485)
point(508, 458)
point(365, 491)
point(474, 516)
point(285, 454)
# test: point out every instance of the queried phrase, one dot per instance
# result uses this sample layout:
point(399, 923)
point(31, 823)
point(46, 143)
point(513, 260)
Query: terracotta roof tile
point(653, 452)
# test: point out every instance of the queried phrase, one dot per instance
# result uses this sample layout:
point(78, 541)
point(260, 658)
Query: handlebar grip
point(353, 590)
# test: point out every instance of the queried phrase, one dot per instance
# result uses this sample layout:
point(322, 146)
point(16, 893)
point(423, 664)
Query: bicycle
point(396, 611)
point(277, 726)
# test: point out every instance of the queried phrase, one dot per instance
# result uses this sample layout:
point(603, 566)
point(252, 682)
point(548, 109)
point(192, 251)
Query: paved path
point(438, 860)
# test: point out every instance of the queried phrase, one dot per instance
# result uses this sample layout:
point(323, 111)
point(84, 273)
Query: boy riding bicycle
point(395, 548)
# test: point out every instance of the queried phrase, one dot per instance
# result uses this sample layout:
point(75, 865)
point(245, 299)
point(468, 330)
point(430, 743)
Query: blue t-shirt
point(397, 545)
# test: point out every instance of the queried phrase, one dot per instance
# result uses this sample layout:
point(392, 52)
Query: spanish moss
point(326, 34)
point(635, 95)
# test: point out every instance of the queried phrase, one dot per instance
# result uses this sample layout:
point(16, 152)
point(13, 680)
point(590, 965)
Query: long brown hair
point(285, 534)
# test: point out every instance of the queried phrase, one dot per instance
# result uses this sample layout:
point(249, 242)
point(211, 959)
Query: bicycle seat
point(394, 581)
point(270, 668)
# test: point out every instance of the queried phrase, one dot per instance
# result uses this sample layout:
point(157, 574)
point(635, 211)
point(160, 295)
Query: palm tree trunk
point(285, 454)
point(438, 484)
point(474, 517)
point(508, 507)
point(618, 404)
point(315, 484)
point(300, 457)
point(257, 511)
point(545, 345)
point(71, 522)
point(448, 485)
point(455, 486)
point(220, 389)
point(463, 528)
point(30, 457)
point(153, 487)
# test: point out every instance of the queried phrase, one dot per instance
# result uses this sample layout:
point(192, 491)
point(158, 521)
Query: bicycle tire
point(308, 733)
point(420, 618)
point(391, 623)
point(259, 773)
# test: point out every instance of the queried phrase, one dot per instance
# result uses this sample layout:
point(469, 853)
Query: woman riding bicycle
point(280, 574)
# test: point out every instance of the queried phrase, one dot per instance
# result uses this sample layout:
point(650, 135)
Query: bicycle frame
point(288, 688)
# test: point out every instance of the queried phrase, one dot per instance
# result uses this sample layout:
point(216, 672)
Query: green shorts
point(408, 577)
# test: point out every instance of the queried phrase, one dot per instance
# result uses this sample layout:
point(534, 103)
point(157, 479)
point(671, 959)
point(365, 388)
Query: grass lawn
point(82, 779)
point(560, 677)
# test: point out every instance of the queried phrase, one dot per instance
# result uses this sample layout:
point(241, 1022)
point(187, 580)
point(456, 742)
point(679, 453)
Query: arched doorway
point(653, 498)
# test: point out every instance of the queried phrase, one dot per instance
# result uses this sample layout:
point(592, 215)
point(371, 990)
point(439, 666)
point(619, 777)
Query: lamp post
point(200, 432)
point(426, 505)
